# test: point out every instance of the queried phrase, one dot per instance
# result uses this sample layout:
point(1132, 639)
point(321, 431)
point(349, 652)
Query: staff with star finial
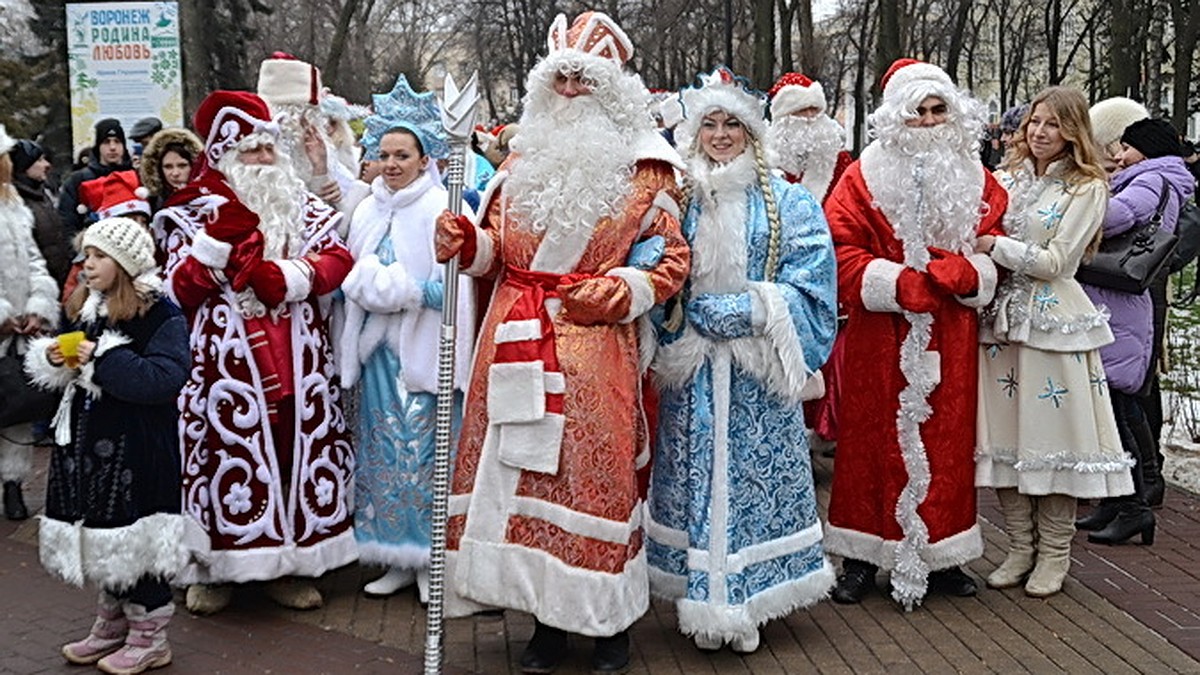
point(458, 118)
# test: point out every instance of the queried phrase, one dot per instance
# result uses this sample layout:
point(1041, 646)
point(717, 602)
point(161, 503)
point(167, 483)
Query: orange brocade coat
point(565, 545)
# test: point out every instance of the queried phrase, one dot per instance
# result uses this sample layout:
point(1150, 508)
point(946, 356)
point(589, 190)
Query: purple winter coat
point(1135, 193)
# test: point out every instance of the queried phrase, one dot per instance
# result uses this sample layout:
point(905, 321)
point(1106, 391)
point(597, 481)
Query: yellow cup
point(68, 345)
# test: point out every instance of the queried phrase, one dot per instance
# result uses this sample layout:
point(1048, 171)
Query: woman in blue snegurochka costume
point(734, 536)
point(393, 300)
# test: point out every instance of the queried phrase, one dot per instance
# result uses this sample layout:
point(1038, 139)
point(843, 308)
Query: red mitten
point(268, 282)
point(235, 222)
point(455, 235)
point(952, 273)
point(597, 300)
point(246, 256)
point(915, 292)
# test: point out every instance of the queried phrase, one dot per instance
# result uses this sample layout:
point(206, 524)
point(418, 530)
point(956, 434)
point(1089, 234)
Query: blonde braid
point(764, 182)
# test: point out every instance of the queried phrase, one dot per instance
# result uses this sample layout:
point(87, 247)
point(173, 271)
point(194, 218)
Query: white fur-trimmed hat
point(126, 241)
point(795, 91)
point(719, 90)
point(284, 80)
point(905, 71)
point(1111, 116)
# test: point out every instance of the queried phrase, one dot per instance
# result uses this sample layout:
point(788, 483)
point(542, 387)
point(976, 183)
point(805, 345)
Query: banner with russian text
point(124, 63)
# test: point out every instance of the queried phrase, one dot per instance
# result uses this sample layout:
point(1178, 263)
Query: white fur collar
point(719, 243)
point(405, 195)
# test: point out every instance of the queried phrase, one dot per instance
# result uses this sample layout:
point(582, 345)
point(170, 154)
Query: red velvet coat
point(871, 472)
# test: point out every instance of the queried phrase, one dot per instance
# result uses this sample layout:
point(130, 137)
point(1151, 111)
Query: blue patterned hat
point(403, 107)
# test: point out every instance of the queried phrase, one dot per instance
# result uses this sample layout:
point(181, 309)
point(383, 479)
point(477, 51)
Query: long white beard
point(574, 168)
point(276, 195)
point(921, 181)
point(808, 147)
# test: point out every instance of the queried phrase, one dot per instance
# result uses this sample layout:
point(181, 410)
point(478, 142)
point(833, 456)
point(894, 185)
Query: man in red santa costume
point(267, 461)
point(806, 141)
point(545, 510)
point(904, 220)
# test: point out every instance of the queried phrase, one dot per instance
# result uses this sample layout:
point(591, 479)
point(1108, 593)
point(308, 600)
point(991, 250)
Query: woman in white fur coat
point(28, 306)
point(734, 537)
point(393, 301)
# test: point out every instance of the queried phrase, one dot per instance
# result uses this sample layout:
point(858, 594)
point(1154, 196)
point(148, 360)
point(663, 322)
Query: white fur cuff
point(641, 291)
point(985, 269)
point(41, 372)
point(298, 276)
point(879, 286)
point(484, 254)
point(209, 251)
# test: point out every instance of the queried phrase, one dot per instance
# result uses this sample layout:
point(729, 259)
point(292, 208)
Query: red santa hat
point(285, 80)
point(795, 91)
point(118, 194)
point(906, 71)
point(225, 118)
point(592, 33)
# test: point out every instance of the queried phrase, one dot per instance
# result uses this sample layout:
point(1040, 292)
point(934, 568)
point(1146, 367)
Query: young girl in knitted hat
point(115, 467)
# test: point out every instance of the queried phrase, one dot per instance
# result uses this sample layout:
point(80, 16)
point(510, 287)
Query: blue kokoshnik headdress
point(403, 107)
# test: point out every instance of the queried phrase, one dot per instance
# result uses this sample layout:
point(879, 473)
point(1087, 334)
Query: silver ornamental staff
point(458, 117)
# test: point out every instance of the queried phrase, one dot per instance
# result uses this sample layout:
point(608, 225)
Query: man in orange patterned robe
point(544, 507)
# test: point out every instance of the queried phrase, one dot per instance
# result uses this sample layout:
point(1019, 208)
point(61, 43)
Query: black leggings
point(1136, 439)
point(149, 592)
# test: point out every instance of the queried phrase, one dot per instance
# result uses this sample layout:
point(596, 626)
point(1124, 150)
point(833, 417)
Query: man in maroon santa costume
point(266, 458)
point(545, 510)
point(806, 141)
point(904, 220)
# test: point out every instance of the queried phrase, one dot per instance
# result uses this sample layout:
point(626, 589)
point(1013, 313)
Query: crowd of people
point(657, 300)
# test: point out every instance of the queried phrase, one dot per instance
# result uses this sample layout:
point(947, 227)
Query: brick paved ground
point(1127, 609)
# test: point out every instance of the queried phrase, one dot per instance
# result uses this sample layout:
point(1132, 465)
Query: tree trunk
point(337, 44)
point(957, 37)
point(787, 13)
point(889, 47)
point(810, 55)
point(1186, 16)
point(1125, 50)
point(764, 44)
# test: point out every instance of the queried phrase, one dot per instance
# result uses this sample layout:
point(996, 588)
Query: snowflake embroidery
point(1045, 298)
point(324, 492)
point(1009, 383)
point(994, 350)
point(1098, 380)
point(1050, 215)
point(1054, 393)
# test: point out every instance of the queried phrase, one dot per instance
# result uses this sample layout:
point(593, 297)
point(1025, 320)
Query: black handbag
point(20, 401)
point(1131, 260)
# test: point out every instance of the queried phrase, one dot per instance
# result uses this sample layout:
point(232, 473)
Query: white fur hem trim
point(957, 549)
point(272, 562)
point(985, 269)
point(113, 558)
point(406, 556)
point(879, 281)
point(576, 600)
point(641, 291)
point(210, 252)
point(728, 622)
point(516, 392)
point(576, 522)
point(297, 275)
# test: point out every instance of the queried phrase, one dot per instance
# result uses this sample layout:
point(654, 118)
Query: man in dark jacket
point(108, 154)
point(30, 168)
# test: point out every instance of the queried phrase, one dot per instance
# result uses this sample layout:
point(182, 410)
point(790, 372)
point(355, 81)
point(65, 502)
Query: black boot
point(857, 579)
point(1155, 492)
point(14, 503)
point(952, 581)
point(1100, 516)
point(611, 654)
point(545, 650)
point(1133, 519)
